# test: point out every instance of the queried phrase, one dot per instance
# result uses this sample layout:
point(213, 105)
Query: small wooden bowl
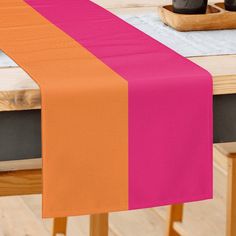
point(216, 18)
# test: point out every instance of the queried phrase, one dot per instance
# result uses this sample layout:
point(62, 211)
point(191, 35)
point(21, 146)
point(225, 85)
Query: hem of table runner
point(73, 212)
point(197, 198)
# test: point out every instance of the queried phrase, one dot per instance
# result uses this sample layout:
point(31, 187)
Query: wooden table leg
point(175, 215)
point(59, 226)
point(231, 198)
point(99, 225)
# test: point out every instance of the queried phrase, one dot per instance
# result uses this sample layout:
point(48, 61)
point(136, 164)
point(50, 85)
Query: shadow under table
point(20, 131)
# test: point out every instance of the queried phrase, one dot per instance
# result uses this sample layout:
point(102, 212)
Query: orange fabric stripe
point(84, 115)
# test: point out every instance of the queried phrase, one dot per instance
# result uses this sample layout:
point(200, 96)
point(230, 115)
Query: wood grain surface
point(25, 164)
point(20, 182)
point(22, 93)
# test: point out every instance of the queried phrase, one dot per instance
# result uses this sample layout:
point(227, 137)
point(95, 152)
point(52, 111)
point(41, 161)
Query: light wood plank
point(18, 220)
point(223, 70)
point(20, 182)
point(137, 223)
point(21, 92)
point(220, 162)
point(17, 90)
point(34, 203)
point(20, 100)
point(26, 164)
point(227, 149)
point(178, 228)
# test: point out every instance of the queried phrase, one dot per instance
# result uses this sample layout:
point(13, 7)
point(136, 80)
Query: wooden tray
point(216, 18)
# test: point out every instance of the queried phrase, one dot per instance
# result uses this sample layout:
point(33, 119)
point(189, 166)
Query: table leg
point(59, 226)
point(99, 225)
point(175, 215)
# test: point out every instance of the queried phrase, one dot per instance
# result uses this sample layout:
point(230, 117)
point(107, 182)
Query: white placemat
point(198, 43)
point(5, 61)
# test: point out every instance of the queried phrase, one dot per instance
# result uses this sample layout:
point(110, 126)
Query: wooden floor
point(21, 216)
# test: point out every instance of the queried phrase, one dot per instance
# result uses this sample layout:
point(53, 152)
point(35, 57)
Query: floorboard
point(21, 216)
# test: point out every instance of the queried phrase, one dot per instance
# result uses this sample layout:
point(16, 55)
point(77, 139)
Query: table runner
point(188, 44)
point(126, 122)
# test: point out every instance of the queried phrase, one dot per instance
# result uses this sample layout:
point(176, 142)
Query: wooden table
point(20, 126)
point(19, 92)
point(20, 103)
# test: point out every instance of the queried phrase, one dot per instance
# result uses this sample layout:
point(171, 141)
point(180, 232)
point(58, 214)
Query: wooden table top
point(19, 92)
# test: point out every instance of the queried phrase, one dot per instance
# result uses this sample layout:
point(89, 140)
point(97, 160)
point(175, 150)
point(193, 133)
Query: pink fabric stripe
point(170, 103)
